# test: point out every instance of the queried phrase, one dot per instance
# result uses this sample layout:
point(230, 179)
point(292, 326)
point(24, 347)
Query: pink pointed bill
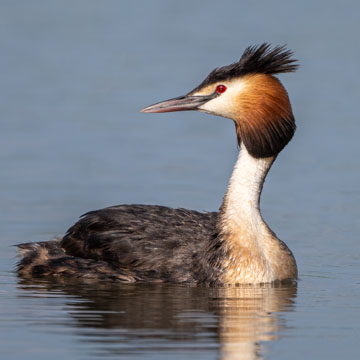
point(181, 103)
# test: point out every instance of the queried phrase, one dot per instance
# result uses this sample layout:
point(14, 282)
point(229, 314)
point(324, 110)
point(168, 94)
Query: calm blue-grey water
point(73, 77)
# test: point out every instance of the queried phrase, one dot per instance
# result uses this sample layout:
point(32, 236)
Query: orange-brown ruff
point(132, 243)
point(261, 111)
point(273, 114)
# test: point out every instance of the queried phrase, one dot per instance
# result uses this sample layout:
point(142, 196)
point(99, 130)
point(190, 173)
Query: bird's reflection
point(249, 316)
point(235, 321)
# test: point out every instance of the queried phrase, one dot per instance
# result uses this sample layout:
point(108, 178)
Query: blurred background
point(73, 77)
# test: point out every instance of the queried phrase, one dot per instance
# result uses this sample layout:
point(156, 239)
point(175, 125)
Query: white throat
point(242, 200)
point(253, 252)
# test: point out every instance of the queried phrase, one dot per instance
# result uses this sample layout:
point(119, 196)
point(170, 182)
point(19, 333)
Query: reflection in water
point(249, 316)
point(142, 319)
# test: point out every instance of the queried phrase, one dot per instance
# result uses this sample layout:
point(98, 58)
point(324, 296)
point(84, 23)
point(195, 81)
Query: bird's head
point(248, 93)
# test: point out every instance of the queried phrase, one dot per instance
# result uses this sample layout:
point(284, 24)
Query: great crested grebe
point(133, 243)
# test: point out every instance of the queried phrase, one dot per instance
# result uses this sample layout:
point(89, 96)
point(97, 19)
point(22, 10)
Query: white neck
point(242, 200)
point(253, 252)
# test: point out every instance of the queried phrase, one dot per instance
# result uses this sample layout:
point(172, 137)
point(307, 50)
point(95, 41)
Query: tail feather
point(48, 258)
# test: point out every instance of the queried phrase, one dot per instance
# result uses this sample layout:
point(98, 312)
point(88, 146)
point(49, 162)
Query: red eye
point(220, 89)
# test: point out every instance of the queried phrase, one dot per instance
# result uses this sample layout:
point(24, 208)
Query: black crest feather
point(256, 59)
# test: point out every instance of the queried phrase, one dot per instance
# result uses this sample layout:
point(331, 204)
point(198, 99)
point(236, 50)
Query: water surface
point(74, 76)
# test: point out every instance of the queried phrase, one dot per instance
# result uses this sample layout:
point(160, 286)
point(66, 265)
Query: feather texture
point(130, 243)
point(256, 59)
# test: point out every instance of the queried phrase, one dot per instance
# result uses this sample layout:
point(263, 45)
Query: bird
point(150, 243)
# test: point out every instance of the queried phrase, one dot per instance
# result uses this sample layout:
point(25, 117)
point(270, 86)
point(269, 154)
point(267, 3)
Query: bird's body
point(159, 244)
point(124, 242)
